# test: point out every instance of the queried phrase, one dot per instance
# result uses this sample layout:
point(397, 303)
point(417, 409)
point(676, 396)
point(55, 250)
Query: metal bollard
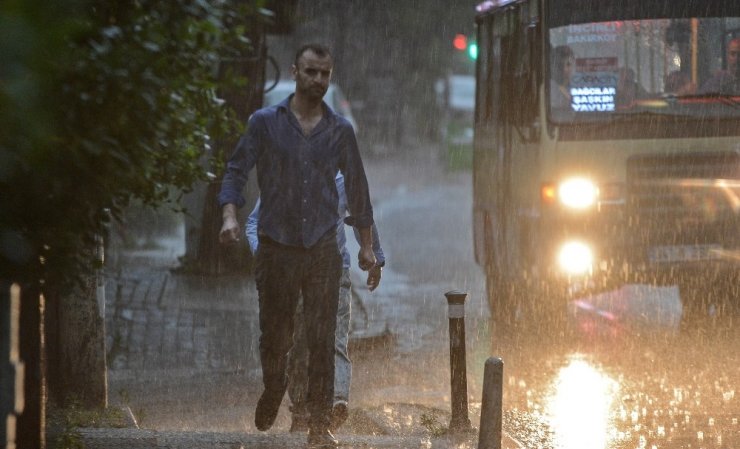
point(491, 413)
point(459, 400)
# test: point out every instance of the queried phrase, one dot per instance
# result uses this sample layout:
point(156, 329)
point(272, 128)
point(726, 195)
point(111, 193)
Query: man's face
point(312, 75)
point(733, 57)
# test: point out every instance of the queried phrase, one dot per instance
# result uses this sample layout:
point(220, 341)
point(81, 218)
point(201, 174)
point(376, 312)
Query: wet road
point(625, 377)
point(624, 391)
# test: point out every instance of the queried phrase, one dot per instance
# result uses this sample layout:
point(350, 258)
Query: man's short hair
point(321, 51)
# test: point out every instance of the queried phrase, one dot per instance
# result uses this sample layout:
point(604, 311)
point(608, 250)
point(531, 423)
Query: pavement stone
point(154, 321)
point(150, 439)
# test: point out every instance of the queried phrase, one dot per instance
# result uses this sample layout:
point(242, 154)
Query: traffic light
point(462, 43)
point(473, 51)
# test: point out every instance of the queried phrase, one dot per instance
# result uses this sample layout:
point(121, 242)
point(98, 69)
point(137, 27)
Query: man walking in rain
point(298, 358)
point(297, 147)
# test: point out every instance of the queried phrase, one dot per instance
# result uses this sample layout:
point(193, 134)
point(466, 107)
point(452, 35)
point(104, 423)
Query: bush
point(100, 103)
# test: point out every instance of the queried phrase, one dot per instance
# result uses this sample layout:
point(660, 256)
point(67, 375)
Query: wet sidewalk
point(159, 319)
point(183, 357)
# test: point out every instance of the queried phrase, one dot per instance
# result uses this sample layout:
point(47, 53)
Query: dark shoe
point(321, 439)
point(267, 409)
point(339, 414)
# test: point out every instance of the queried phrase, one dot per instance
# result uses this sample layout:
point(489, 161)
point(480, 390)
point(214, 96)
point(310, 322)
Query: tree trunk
point(82, 367)
point(203, 253)
point(76, 344)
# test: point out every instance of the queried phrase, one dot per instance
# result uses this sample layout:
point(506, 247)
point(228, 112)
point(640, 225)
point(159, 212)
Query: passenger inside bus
point(678, 83)
point(726, 81)
point(628, 89)
point(563, 62)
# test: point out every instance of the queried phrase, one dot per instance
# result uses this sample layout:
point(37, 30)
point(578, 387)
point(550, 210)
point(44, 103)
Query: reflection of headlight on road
point(575, 258)
point(578, 193)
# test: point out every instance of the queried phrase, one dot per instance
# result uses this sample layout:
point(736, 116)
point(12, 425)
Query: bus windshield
point(644, 68)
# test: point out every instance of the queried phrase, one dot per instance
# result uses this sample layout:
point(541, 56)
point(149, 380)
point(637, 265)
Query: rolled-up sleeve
point(239, 165)
point(377, 248)
point(355, 182)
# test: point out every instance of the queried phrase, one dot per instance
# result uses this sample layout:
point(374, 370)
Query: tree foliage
point(102, 102)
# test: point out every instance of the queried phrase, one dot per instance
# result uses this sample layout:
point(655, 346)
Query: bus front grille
point(688, 198)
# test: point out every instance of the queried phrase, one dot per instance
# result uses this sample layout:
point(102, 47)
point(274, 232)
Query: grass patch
point(63, 422)
point(430, 422)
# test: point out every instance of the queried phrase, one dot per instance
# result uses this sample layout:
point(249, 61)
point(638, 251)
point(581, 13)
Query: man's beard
point(316, 92)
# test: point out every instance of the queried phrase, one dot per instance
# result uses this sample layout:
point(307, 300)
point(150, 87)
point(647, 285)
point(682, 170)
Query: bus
point(606, 152)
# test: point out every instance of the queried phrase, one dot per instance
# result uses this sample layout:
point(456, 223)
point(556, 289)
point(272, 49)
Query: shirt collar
point(328, 112)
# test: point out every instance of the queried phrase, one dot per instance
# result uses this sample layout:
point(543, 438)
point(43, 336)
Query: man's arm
point(230, 197)
point(358, 196)
point(366, 256)
point(230, 228)
point(374, 273)
point(355, 182)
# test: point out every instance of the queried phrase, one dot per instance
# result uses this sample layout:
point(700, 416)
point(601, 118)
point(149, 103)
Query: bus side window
point(488, 74)
point(531, 75)
point(521, 71)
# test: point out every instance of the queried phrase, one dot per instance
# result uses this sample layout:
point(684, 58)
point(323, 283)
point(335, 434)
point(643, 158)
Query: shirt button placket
point(304, 193)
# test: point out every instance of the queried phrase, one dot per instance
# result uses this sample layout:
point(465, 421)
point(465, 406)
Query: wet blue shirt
point(254, 216)
point(296, 175)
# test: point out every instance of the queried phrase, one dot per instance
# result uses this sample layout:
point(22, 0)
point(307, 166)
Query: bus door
point(507, 129)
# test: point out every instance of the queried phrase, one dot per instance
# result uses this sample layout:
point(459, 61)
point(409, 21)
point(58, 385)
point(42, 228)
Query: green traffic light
point(473, 50)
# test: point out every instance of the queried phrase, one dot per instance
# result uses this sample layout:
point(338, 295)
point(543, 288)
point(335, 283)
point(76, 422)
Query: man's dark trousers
point(282, 273)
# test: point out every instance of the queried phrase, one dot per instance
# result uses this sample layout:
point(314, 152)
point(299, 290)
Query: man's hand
point(230, 228)
point(373, 277)
point(366, 258)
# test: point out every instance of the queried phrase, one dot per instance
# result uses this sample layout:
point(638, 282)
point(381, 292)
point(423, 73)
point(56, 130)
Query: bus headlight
point(575, 258)
point(578, 193)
